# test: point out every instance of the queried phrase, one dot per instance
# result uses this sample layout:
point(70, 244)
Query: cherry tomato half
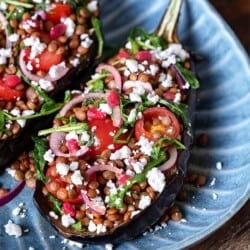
point(59, 11)
point(9, 94)
point(157, 122)
point(104, 131)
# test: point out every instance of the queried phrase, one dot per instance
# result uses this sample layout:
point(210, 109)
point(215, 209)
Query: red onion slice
point(100, 167)
point(36, 78)
point(114, 72)
point(117, 116)
point(92, 205)
point(132, 84)
point(13, 193)
point(78, 99)
point(4, 23)
point(172, 151)
point(55, 142)
point(179, 79)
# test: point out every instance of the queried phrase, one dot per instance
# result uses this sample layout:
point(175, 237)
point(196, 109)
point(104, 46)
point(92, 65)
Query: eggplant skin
point(142, 221)
point(14, 146)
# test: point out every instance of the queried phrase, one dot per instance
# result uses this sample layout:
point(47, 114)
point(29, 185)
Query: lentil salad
point(115, 147)
point(44, 45)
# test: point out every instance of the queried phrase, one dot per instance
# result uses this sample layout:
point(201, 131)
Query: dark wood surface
point(235, 234)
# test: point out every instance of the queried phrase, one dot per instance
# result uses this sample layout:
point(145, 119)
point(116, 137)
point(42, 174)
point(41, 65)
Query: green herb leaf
point(188, 76)
point(97, 27)
point(56, 204)
point(38, 152)
point(77, 226)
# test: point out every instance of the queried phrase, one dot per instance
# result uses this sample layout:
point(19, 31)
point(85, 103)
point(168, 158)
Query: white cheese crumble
point(144, 202)
point(53, 215)
point(92, 226)
point(152, 97)
point(46, 85)
point(62, 169)
point(36, 46)
point(85, 137)
point(13, 229)
point(74, 165)
point(121, 153)
point(100, 229)
point(49, 156)
point(177, 98)
point(67, 220)
point(70, 26)
point(132, 115)
point(4, 54)
point(75, 62)
point(166, 80)
point(145, 145)
point(86, 41)
point(156, 179)
point(56, 70)
point(71, 136)
point(13, 37)
point(105, 108)
point(77, 178)
point(132, 65)
point(92, 6)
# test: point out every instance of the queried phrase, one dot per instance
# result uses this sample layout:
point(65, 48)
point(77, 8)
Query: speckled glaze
point(223, 112)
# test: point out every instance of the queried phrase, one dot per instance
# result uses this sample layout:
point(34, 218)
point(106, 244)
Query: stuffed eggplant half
point(117, 153)
point(44, 47)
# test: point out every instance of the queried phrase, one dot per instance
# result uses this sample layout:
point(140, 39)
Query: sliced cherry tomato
point(104, 131)
point(45, 60)
point(167, 125)
point(9, 94)
point(59, 11)
point(12, 80)
point(97, 114)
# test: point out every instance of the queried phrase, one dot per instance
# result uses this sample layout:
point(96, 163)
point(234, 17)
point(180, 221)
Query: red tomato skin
point(96, 114)
point(59, 11)
point(103, 130)
point(9, 94)
point(151, 113)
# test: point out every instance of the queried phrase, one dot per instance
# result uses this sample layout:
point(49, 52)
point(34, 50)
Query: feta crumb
point(156, 179)
point(70, 26)
point(49, 156)
point(86, 41)
point(92, 6)
point(74, 165)
point(67, 220)
point(57, 70)
point(132, 65)
point(46, 85)
point(121, 153)
point(104, 107)
point(13, 37)
point(132, 115)
point(177, 98)
point(85, 137)
point(13, 229)
point(134, 213)
point(92, 226)
point(219, 165)
point(53, 215)
point(62, 169)
point(77, 178)
point(144, 202)
point(75, 62)
point(100, 229)
point(152, 97)
point(146, 146)
point(166, 80)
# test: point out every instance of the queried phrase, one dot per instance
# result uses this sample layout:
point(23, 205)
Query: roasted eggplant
point(45, 49)
point(117, 154)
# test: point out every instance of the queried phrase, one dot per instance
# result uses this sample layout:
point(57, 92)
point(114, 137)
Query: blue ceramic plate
point(223, 112)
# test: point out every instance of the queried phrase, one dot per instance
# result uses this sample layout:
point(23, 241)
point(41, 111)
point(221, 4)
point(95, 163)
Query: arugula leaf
point(19, 4)
point(56, 204)
point(38, 152)
point(180, 110)
point(65, 128)
point(77, 226)
point(116, 199)
point(97, 27)
point(188, 76)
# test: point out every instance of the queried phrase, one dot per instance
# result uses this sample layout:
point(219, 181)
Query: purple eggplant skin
point(12, 147)
point(142, 221)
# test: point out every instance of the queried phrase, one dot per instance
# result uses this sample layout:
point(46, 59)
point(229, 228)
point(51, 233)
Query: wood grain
point(235, 234)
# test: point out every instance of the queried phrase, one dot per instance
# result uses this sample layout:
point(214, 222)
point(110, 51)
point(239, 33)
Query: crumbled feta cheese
point(77, 178)
point(166, 80)
point(4, 54)
point(49, 156)
point(145, 145)
point(13, 229)
point(70, 26)
point(177, 98)
point(36, 46)
point(92, 6)
point(138, 166)
point(100, 229)
point(75, 62)
point(62, 169)
point(86, 41)
point(121, 153)
point(156, 179)
point(144, 202)
point(152, 97)
point(74, 165)
point(46, 85)
point(134, 213)
point(132, 115)
point(85, 137)
point(13, 37)
point(92, 226)
point(170, 60)
point(132, 65)
point(71, 136)
point(56, 70)
point(111, 186)
point(67, 220)
point(153, 69)
point(128, 45)
point(104, 107)
point(15, 112)
point(53, 215)
point(3, 6)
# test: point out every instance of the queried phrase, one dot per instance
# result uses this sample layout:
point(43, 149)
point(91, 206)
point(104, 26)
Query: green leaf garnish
point(97, 27)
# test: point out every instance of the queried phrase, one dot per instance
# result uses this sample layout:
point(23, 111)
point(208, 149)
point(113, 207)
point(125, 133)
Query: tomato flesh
point(104, 131)
point(146, 126)
point(9, 94)
point(59, 11)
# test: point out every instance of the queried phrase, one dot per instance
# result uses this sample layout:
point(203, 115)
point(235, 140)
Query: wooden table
point(235, 234)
